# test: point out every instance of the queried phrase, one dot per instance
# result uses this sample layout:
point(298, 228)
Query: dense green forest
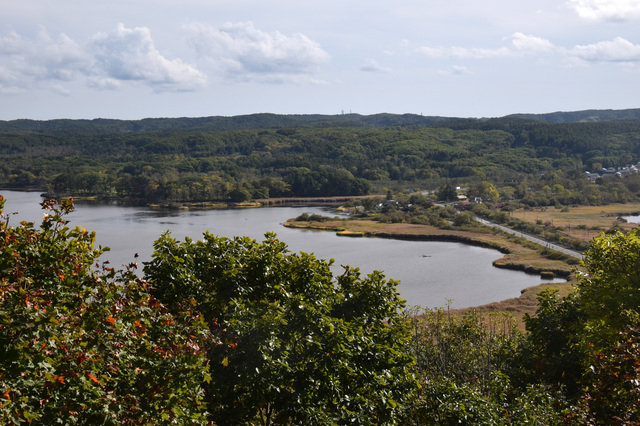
point(235, 331)
point(265, 155)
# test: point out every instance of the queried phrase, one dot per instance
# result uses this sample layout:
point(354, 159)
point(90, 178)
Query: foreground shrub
point(86, 345)
point(302, 346)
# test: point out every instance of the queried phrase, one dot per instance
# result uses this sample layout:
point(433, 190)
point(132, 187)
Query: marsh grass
point(581, 222)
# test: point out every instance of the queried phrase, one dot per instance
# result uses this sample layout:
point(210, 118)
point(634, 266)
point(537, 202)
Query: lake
point(430, 273)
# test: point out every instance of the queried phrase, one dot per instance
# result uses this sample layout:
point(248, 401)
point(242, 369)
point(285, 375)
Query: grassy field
point(582, 222)
point(518, 307)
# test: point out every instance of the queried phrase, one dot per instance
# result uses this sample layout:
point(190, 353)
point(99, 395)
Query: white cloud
point(530, 44)
point(463, 52)
point(104, 83)
point(60, 89)
point(60, 59)
point(11, 43)
point(130, 54)
point(371, 65)
point(109, 59)
point(455, 70)
point(43, 58)
point(521, 45)
point(9, 81)
point(616, 50)
point(243, 52)
point(608, 10)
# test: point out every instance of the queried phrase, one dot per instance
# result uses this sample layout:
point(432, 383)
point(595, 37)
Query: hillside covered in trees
point(265, 155)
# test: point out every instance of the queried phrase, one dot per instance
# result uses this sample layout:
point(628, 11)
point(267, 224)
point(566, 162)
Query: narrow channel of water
point(431, 273)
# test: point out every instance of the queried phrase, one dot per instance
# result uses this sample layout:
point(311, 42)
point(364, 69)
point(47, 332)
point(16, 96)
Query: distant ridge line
point(283, 121)
point(589, 115)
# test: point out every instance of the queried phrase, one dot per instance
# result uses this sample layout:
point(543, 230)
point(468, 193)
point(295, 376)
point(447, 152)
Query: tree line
point(235, 159)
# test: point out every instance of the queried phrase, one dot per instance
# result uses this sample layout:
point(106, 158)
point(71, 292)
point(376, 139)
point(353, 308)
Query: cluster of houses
point(612, 172)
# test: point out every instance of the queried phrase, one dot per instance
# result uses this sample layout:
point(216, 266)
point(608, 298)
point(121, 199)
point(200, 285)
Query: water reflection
point(430, 272)
point(632, 219)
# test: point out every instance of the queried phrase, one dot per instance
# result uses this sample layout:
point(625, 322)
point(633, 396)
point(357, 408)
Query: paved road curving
point(534, 239)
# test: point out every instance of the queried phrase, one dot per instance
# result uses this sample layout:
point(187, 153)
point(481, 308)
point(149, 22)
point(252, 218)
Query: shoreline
point(513, 259)
point(519, 255)
point(203, 205)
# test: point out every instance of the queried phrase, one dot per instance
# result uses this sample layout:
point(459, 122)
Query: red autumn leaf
point(111, 320)
point(92, 377)
point(140, 327)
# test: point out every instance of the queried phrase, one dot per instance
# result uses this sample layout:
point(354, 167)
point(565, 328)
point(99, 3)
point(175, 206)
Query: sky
point(133, 59)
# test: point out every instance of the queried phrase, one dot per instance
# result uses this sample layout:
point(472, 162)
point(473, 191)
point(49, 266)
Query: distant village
point(612, 172)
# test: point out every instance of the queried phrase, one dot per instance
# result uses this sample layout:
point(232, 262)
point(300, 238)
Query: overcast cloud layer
point(143, 58)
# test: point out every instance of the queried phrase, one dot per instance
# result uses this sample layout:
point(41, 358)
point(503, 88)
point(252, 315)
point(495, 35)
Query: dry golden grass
point(602, 217)
point(518, 307)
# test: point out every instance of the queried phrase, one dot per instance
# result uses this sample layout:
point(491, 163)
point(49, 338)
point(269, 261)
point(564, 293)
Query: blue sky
point(132, 59)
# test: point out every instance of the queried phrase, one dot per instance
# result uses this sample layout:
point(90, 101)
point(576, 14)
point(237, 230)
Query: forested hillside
point(583, 116)
point(267, 155)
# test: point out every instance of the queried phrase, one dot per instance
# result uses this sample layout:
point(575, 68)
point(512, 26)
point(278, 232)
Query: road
point(534, 239)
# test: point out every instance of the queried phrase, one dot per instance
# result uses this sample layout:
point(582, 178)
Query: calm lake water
point(430, 273)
